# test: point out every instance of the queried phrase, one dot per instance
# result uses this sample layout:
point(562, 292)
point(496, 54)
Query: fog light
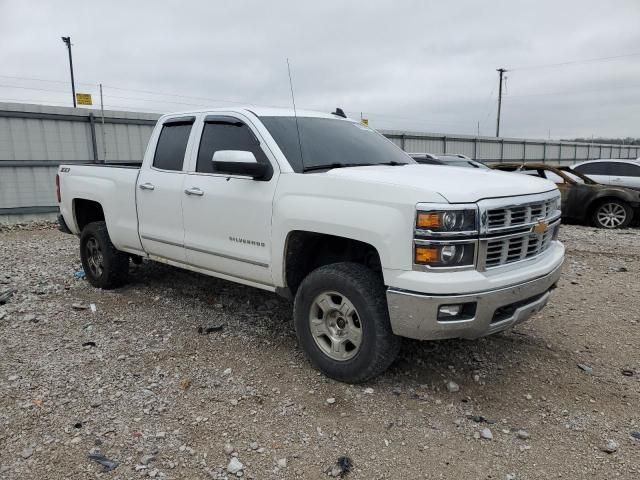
point(458, 311)
point(449, 310)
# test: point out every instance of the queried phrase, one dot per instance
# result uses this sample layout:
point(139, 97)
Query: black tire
point(598, 219)
point(364, 289)
point(114, 263)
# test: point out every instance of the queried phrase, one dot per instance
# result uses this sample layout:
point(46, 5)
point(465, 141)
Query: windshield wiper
point(393, 163)
point(335, 165)
point(342, 165)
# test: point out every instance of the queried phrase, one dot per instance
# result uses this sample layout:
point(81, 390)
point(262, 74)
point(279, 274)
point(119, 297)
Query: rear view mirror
point(238, 162)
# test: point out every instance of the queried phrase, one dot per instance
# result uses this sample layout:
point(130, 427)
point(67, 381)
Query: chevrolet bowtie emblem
point(541, 227)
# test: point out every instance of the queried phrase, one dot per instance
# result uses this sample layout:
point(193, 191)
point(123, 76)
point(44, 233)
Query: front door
point(159, 193)
point(227, 218)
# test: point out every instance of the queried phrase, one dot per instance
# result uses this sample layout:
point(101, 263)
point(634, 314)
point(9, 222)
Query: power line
point(575, 62)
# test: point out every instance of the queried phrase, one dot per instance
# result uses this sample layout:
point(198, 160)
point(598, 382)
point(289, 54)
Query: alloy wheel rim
point(611, 215)
point(94, 257)
point(335, 326)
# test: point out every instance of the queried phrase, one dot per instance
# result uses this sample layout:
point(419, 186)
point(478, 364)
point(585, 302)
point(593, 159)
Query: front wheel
point(342, 322)
point(104, 265)
point(612, 214)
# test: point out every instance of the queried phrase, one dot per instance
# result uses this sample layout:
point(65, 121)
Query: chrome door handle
point(147, 186)
point(194, 191)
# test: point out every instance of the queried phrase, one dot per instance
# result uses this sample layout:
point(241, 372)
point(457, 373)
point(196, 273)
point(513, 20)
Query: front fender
point(380, 215)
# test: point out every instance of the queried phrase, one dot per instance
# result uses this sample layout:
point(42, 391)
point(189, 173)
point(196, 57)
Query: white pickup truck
point(325, 211)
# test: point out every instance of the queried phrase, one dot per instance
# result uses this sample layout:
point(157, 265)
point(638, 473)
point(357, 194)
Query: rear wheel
point(104, 265)
point(342, 322)
point(612, 213)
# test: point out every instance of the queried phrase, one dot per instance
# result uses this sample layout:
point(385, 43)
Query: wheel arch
point(305, 251)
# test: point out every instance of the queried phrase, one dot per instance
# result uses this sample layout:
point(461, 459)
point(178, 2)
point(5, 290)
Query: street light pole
point(67, 41)
point(501, 71)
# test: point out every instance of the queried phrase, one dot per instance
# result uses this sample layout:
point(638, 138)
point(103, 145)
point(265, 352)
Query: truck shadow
point(258, 314)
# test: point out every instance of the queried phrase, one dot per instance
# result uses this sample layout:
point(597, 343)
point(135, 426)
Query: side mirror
point(238, 162)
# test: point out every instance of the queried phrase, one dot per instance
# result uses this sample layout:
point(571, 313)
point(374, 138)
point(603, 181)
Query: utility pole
point(104, 136)
point(67, 41)
point(501, 71)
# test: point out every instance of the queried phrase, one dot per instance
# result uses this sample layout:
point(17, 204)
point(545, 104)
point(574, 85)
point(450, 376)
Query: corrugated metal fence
point(492, 149)
point(35, 139)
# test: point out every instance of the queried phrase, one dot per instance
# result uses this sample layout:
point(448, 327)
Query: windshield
point(331, 143)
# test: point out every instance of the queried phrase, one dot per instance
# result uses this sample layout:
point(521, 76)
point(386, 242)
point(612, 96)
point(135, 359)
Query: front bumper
point(415, 315)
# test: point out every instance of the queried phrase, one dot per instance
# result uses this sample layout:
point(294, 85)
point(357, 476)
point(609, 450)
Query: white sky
point(415, 65)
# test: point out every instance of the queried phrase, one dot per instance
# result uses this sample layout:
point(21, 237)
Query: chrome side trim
point(167, 242)
point(208, 252)
point(228, 257)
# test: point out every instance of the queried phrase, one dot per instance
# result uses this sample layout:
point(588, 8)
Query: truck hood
point(455, 184)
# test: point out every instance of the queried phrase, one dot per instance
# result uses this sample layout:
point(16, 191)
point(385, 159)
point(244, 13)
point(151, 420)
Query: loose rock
point(486, 434)
point(234, 466)
point(610, 446)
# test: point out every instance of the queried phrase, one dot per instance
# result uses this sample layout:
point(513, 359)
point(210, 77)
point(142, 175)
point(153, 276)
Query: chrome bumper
point(415, 315)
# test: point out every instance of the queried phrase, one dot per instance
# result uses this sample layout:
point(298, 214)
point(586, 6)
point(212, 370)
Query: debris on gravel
point(585, 368)
point(107, 464)
point(341, 468)
point(135, 380)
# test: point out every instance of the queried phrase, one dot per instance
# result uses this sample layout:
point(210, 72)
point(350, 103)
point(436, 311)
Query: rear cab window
point(172, 144)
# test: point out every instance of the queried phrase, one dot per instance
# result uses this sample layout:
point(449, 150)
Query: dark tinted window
point(172, 146)
point(327, 141)
point(624, 169)
point(595, 168)
point(226, 135)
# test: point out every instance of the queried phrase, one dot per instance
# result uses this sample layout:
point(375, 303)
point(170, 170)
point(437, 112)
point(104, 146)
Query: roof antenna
point(295, 114)
point(339, 112)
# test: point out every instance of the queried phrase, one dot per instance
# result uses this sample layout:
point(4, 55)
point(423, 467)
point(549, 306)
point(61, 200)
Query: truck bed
point(113, 187)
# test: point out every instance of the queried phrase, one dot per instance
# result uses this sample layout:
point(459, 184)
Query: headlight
point(445, 255)
point(445, 221)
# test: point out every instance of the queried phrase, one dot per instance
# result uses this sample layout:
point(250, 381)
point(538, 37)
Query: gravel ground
point(137, 382)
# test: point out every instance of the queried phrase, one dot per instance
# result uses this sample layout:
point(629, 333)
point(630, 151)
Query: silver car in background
point(621, 173)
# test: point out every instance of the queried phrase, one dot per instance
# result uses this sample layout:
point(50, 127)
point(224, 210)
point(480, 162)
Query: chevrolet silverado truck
point(323, 210)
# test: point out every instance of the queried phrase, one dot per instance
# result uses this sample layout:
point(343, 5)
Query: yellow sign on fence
point(365, 121)
point(84, 99)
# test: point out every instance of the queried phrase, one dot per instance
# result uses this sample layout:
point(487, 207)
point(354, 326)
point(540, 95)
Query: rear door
point(625, 174)
point(599, 172)
point(160, 192)
point(227, 218)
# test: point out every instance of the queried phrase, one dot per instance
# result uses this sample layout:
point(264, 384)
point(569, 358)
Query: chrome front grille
point(517, 215)
point(502, 251)
point(508, 228)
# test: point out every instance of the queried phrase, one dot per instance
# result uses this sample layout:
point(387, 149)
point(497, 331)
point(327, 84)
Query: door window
point(228, 134)
point(594, 168)
point(172, 145)
point(620, 169)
